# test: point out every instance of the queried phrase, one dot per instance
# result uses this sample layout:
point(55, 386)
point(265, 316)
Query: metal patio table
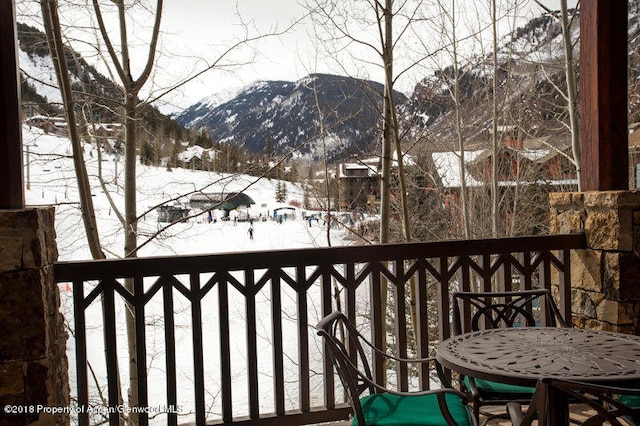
point(522, 356)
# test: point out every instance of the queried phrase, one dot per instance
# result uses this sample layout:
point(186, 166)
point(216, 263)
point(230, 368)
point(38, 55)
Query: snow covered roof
point(195, 151)
point(448, 167)
point(221, 200)
point(352, 170)
point(448, 163)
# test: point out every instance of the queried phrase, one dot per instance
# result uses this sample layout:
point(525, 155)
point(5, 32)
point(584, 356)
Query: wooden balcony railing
point(230, 339)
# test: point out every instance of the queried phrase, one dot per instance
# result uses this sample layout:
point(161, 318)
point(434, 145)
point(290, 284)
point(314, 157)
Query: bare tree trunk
point(495, 196)
point(459, 134)
point(131, 244)
point(387, 134)
point(572, 88)
point(571, 96)
point(54, 39)
point(386, 38)
point(327, 184)
point(402, 182)
point(56, 47)
point(131, 88)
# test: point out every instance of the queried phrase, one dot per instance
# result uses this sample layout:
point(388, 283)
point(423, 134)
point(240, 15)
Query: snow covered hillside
point(51, 180)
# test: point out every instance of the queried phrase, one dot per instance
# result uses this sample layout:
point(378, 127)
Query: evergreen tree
point(269, 147)
point(203, 139)
point(147, 153)
point(281, 192)
point(293, 173)
point(307, 186)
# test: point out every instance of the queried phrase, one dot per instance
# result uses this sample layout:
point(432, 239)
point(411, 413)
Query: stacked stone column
point(33, 362)
point(606, 276)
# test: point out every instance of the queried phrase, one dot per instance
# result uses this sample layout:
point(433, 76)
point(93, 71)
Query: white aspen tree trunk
point(571, 96)
point(54, 38)
point(327, 184)
point(131, 88)
point(385, 187)
point(464, 199)
point(495, 141)
point(572, 88)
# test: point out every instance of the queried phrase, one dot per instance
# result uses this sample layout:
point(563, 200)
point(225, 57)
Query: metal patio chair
point(480, 311)
point(377, 405)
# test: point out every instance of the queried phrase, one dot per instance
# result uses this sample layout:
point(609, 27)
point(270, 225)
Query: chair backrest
point(340, 335)
point(350, 353)
point(480, 311)
point(606, 403)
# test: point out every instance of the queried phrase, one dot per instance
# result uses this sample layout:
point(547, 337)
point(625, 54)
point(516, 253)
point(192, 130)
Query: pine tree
point(147, 153)
point(293, 173)
point(307, 184)
point(281, 192)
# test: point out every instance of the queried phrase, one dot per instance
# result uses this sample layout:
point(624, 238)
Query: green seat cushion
point(498, 388)
point(631, 401)
point(383, 409)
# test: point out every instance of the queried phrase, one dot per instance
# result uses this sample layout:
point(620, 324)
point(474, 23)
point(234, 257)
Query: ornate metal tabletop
point(521, 356)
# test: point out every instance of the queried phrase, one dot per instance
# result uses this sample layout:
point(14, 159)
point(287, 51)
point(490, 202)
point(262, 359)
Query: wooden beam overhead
point(603, 95)
point(11, 178)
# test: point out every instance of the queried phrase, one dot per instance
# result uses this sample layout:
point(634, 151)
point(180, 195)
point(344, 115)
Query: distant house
point(526, 161)
point(359, 184)
point(53, 125)
point(58, 125)
point(527, 171)
point(108, 130)
point(197, 158)
point(556, 165)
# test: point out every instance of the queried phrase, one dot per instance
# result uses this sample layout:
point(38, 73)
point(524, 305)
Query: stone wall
point(33, 362)
point(605, 277)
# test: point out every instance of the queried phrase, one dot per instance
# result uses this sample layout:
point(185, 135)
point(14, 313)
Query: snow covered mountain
point(320, 111)
point(531, 69)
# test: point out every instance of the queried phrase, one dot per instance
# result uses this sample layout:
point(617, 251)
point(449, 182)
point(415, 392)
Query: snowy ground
point(51, 181)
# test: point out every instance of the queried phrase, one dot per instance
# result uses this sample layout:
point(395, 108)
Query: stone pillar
point(605, 278)
point(33, 361)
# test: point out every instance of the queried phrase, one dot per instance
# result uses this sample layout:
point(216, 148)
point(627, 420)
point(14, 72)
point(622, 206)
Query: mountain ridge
point(341, 114)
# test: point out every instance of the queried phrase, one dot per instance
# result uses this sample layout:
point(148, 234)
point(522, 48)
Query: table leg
point(557, 408)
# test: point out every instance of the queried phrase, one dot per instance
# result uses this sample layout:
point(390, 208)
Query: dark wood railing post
point(603, 95)
point(11, 189)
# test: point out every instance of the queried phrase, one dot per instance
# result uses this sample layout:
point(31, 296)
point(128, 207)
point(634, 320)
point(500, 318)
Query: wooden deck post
point(11, 186)
point(603, 95)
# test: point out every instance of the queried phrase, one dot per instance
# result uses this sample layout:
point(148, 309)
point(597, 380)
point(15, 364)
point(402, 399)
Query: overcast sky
point(197, 32)
point(203, 29)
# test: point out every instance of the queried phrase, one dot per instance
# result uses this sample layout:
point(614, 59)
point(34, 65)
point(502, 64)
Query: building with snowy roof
point(359, 184)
